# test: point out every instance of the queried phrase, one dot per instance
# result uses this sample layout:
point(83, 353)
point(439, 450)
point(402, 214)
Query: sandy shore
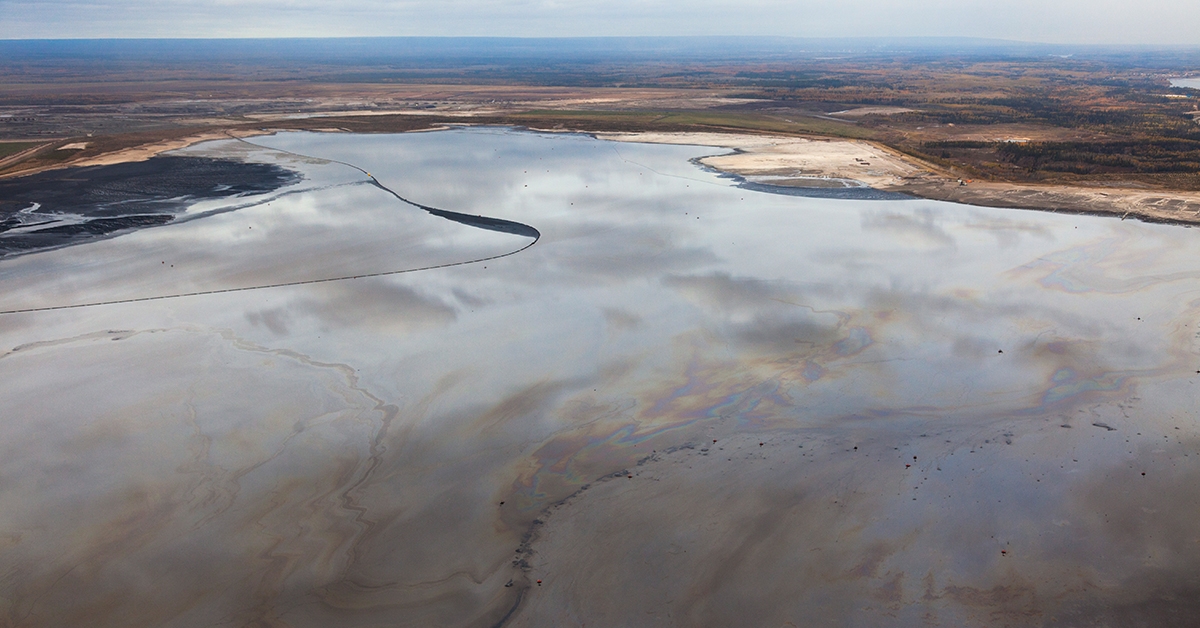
point(1167, 206)
point(798, 161)
point(140, 152)
point(794, 160)
point(146, 151)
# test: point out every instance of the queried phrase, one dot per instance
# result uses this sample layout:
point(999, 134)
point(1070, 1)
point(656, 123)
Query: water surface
point(687, 404)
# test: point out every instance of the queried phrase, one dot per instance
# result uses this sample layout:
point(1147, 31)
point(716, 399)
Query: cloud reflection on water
point(341, 450)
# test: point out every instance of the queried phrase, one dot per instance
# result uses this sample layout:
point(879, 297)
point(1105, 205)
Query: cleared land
point(8, 149)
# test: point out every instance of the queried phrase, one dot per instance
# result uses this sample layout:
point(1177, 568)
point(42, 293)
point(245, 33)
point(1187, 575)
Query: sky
point(1170, 22)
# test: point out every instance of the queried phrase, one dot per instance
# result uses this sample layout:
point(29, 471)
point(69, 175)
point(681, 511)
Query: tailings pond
point(484, 377)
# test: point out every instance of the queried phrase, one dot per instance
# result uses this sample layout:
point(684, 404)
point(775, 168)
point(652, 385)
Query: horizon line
point(794, 38)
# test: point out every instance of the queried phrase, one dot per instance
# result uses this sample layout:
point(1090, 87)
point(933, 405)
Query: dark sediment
point(74, 205)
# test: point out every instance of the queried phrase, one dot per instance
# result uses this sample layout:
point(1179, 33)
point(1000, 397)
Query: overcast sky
point(1051, 21)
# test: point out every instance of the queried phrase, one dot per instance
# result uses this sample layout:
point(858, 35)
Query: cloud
point(379, 304)
point(1069, 21)
point(759, 314)
point(276, 320)
point(920, 226)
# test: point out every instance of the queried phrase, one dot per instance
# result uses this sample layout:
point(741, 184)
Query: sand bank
point(1166, 206)
point(793, 160)
point(146, 151)
point(796, 161)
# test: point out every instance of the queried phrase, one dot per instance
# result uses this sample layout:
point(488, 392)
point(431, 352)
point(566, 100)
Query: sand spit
point(146, 151)
point(797, 161)
point(792, 160)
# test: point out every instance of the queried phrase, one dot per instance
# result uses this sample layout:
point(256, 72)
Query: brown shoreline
point(1151, 206)
point(901, 173)
point(126, 154)
point(893, 171)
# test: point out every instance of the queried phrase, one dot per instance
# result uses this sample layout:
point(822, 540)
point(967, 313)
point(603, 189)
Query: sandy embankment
point(793, 160)
point(140, 152)
point(805, 162)
point(146, 151)
point(1168, 206)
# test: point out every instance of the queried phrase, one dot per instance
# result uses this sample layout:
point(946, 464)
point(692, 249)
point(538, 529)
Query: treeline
point(1146, 156)
point(789, 80)
point(1047, 111)
point(1141, 156)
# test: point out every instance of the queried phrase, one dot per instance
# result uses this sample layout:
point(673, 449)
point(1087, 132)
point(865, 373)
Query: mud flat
point(72, 205)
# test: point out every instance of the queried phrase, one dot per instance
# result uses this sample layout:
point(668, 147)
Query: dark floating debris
point(482, 222)
point(1105, 426)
